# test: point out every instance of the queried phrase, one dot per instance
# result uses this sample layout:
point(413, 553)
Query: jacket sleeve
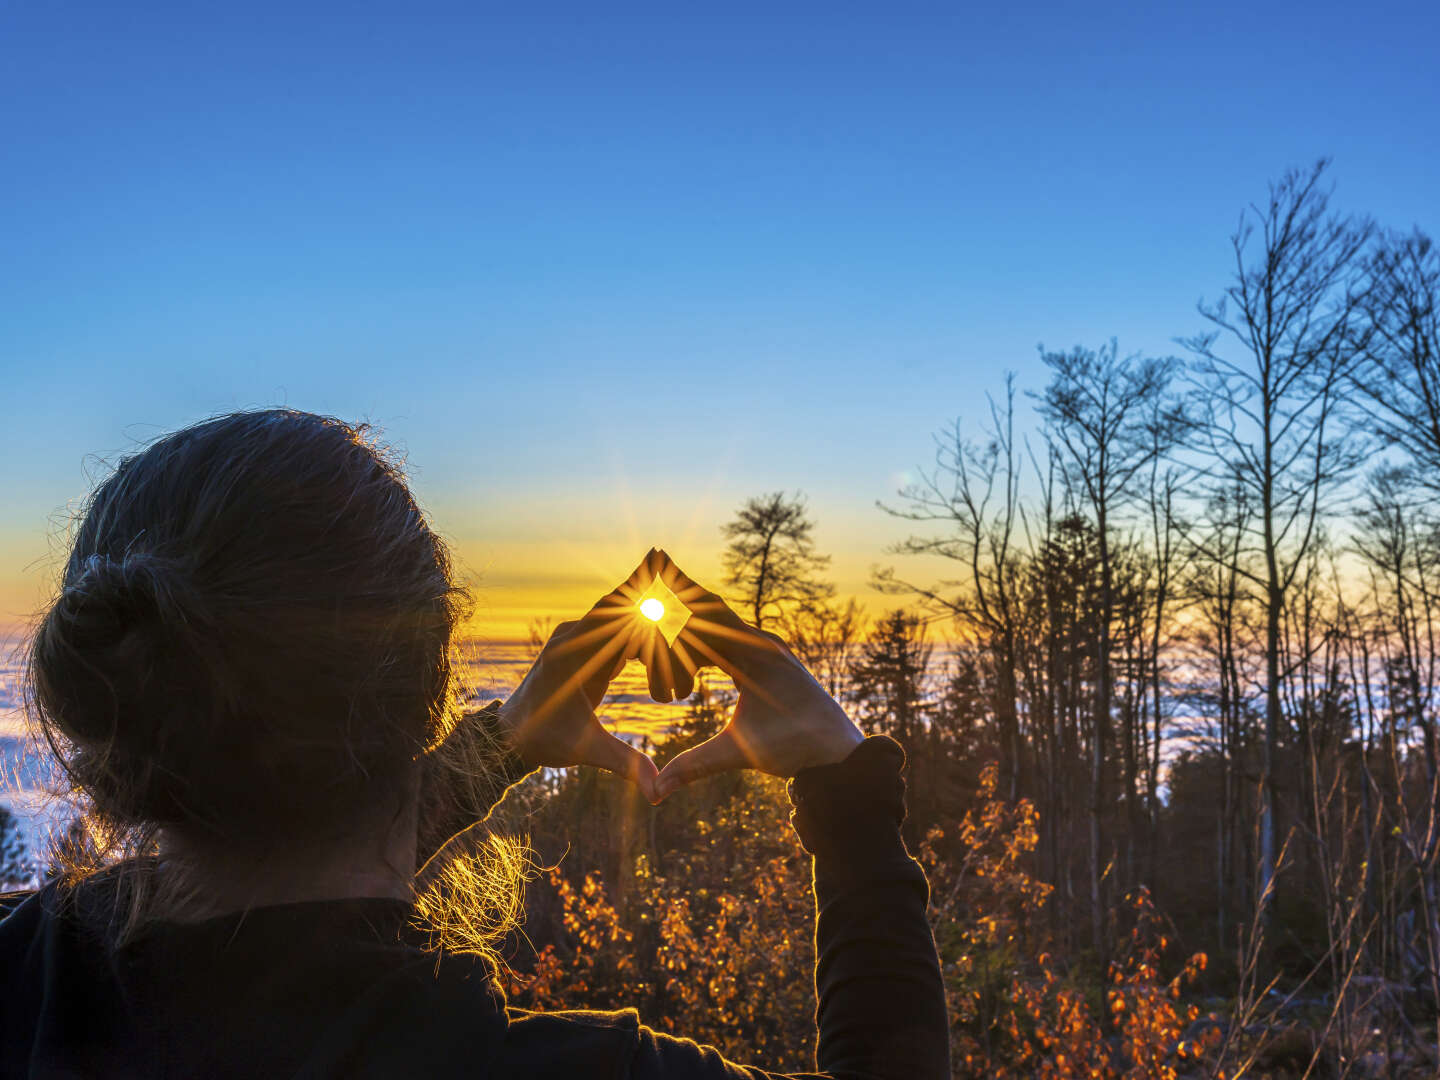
point(880, 998)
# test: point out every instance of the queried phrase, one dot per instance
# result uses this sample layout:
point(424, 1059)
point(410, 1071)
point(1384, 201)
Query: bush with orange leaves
point(719, 947)
point(1013, 1012)
point(711, 937)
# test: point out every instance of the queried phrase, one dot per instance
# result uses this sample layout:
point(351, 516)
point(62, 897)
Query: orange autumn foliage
point(719, 948)
point(1014, 1012)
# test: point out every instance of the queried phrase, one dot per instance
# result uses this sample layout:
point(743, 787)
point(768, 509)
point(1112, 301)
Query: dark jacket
point(341, 988)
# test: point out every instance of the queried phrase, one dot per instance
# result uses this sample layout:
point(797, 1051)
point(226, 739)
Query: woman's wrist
point(848, 812)
point(836, 747)
point(503, 728)
point(505, 721)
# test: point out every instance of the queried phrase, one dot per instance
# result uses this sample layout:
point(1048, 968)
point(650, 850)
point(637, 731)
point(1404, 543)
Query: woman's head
point(252, 639)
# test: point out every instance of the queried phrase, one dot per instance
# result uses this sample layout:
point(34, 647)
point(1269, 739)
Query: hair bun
point(252, 634)
point(107, 600)
point(100, 641)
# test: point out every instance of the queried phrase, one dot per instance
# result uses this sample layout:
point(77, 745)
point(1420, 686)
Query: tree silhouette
point(770, 557)
point(1271, 421)
point(889, 678)
point(1105, 420)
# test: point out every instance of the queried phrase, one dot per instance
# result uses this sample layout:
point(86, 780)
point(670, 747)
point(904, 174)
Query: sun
point(663, 608)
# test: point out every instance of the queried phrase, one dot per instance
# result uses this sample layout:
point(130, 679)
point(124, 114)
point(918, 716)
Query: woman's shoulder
point(610, 1044)
point(544, 1044)
point(9, 901)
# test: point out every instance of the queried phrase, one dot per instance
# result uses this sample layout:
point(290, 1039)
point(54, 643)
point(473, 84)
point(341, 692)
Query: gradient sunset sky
point(602, 278)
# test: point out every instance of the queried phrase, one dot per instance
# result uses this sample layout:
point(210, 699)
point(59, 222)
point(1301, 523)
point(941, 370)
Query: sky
point(601, 278)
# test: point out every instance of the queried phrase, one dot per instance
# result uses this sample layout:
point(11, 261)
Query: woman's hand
point(551, 716)
point(783, 722)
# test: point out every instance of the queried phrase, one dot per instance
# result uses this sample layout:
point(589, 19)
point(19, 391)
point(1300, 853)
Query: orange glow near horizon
point(531, 559)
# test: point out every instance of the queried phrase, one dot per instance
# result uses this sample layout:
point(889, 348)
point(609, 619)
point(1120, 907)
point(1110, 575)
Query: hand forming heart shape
point(783, 720)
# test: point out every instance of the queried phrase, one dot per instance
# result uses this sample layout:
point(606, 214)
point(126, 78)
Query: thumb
point(721, 754)
point(622, 759)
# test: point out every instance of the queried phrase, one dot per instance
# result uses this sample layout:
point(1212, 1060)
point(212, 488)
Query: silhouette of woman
point(247, 676)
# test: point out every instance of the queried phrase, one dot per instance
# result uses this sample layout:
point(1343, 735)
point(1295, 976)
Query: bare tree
point(770, 556)
point(1396, 538)
point(1270, 418)
point(826, 635)
point(1401, 382)
point(1400, 386)
point(1103, 416)
point(973, 493)
point(1170, 561)
point(1221, 594)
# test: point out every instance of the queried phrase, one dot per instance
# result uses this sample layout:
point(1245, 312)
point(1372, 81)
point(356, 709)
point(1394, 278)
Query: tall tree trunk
point(1274, 599)
point(1099, 736)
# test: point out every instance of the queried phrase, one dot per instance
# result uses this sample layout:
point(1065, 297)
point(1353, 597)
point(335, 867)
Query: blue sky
point(603, 276)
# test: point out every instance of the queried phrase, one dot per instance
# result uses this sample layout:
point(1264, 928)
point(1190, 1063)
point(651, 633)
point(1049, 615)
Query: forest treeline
point(1169, 709)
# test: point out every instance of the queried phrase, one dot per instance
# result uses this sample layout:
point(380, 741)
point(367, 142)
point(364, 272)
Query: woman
point(247, 676)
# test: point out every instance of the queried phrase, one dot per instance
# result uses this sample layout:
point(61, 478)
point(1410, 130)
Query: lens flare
point(652, 609)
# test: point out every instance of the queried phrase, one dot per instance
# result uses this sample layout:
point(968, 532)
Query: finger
point(646, 643)
point(714, 633)
point(611, 625)
point(671, 671)
point(619, 757)
point(658, 668)
point(598, 685)
point(619, 644)
point(777, 640)
point(723, 753)
point(653, 564)
point(687, 660)
point(737, 651)
point(682, 673)
point(700, 600)
point(621, 600)
point(590, 650)
point(640, 637)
